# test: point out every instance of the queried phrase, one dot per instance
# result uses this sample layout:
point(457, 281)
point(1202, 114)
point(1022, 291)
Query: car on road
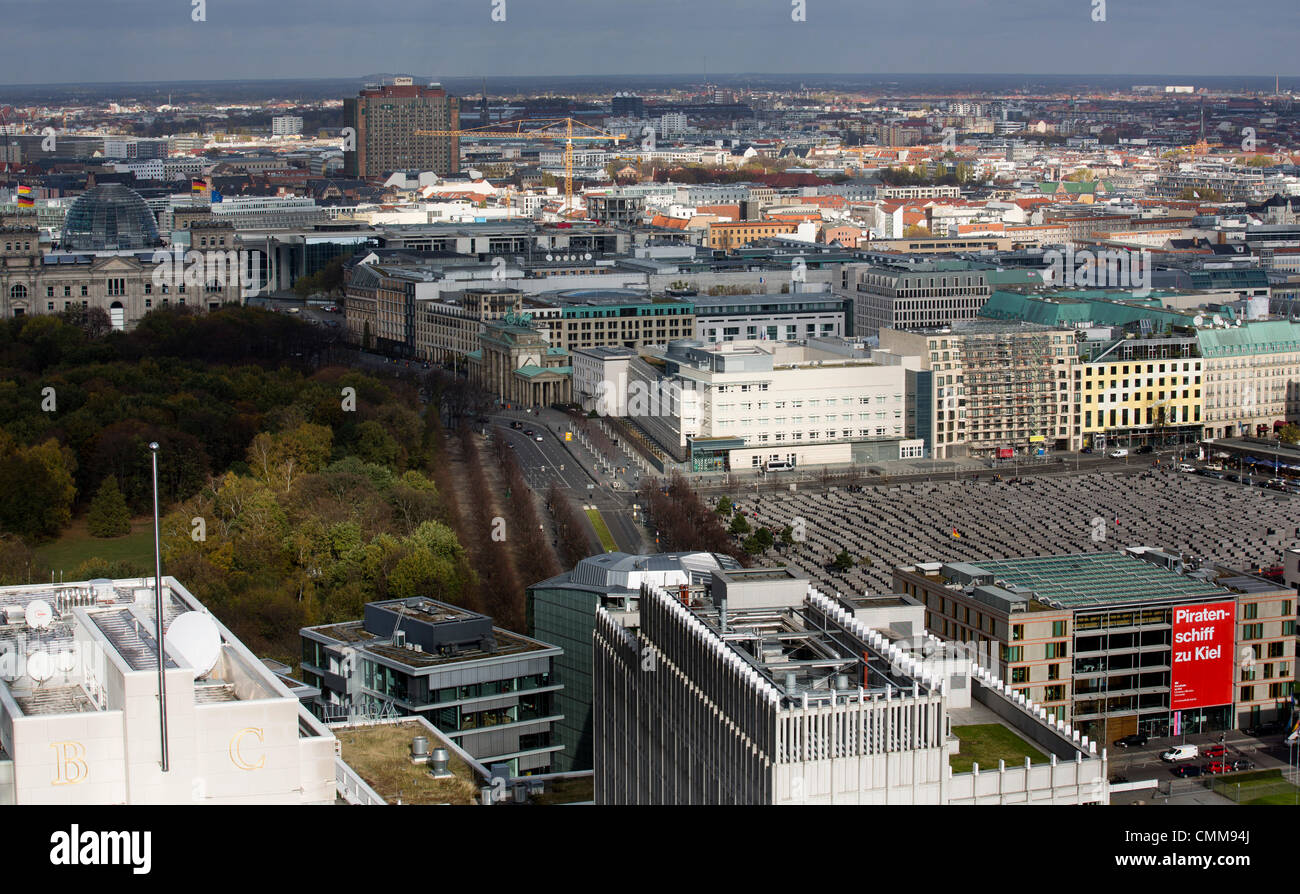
point(1217, 751)
point(294, 310)
point(1185, 467)
point(1118, 452)
point(1188, 771)
point(529, 432)
point(1275, 484)
point(1136, 740)
point(1180, 753)
point(1216, 767)
point(539, 437)
point(1146, 448)
point(1271, 728)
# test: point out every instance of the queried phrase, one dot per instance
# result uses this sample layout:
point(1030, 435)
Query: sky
point(96, 41)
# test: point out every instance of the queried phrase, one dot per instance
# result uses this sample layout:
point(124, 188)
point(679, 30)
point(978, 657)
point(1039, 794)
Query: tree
point(1200, 194)
point(724, 505)
point(739, 525)
point(915, 231)
point(109, 515)
point(1289, 433)
point(37, 490)
point(843, 562)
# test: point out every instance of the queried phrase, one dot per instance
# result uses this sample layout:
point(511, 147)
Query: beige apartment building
point(1100, 639)
point(994, 386)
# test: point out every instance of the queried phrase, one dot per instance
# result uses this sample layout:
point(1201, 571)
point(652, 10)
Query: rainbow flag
point(25, 197)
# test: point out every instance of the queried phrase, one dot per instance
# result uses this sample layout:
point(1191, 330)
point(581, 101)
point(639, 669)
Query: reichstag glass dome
point(110, 217)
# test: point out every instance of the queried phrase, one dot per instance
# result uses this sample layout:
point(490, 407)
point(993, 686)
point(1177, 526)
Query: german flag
point(198, 184)
point(25, 197)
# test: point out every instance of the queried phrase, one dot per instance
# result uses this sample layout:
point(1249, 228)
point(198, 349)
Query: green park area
point(1259, 787)
point(76, 545)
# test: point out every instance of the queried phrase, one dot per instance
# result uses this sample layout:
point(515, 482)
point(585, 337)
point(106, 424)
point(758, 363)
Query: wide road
point(549, 461)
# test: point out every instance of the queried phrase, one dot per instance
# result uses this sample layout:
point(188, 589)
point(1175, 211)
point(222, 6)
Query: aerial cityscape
point(520, 429)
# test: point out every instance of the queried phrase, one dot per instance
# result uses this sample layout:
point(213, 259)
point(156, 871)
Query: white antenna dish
point(193, 637)
point(40, 666)
point(38, 614)
point(1218, 320)
point(9, 666)
point(1198, 321)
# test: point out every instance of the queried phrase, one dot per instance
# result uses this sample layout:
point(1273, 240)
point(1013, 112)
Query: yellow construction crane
point(538, 129)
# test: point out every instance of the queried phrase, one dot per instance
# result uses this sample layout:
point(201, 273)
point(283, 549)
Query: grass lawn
point(987, 743)
point(1259, 787)
point(602, 531)
point(76, 546)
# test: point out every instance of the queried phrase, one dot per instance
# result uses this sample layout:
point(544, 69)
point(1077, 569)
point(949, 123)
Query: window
point(1055, 650)
point(1252, 631)
point(1012, 654)
point(1053, 671)
point(1058, 628)
point(1249, 611)
point(1247, 694)
point(1019, 675)
point(1017, 632)
point(1051, 694)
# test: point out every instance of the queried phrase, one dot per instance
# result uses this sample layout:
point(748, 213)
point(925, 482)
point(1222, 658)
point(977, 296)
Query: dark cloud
point(118, 40)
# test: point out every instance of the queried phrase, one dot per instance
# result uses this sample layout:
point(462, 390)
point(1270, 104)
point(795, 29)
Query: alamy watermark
point(207, 269)
point(1100, 269)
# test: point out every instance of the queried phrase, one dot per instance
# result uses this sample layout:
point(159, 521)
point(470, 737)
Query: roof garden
point(381, 755)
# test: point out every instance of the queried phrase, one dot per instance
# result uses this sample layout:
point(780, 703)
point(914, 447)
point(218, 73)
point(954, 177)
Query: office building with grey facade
point(917, 296)
point(490, 691)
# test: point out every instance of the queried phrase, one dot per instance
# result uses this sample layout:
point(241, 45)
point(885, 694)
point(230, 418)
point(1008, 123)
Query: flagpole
point(158, 610)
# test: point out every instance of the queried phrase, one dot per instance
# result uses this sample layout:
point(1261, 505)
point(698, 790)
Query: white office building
point(757, 689)
point(81, 721)
point(742, 404)
point(286, 125)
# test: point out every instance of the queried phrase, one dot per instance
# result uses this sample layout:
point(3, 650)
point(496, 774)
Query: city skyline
point(734, 37)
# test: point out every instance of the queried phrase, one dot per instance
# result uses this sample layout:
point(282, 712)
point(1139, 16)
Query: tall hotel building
point(386, 118)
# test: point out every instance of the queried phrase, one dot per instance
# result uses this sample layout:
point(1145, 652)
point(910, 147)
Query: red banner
point(1203, 655)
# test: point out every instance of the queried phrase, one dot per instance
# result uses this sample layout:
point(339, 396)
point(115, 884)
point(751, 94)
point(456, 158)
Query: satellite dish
point(193, 637)
point(8, 666)
point(1198, 320)
point(550, 258)
point(40, 666)
point(587, 256)
point(66, 661)
point(38, 614)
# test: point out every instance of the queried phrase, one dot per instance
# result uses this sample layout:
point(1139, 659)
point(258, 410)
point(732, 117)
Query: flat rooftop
point(381, 755)
point(507, 643)
point(1086, 580)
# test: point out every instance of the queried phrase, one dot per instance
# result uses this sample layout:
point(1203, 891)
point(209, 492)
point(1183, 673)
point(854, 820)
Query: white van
point(1181, 753)
point(1118, 452)
point(1182, 467)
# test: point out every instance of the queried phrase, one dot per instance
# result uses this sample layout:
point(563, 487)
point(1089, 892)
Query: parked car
point(1243, 764)
point(292, 310)
point(1084, 450)
point(1146, 448)
point(1136, 740)
point(1271, 728)
point(1181, 753)
point(1184, 467)
point(1216, 751)
point(1118, 452)
point(1216, 767)
point(1188, 771)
